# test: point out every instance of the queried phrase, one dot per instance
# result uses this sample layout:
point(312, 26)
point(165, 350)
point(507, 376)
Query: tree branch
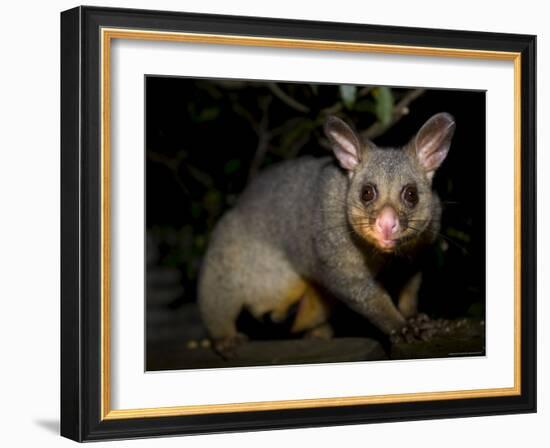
point(263, 140)
point(172, 164)
point(288, 100)
point(399, 111)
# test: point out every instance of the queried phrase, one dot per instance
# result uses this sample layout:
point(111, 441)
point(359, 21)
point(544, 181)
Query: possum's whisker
point(420, 223)
point(346, 203)
point(343, 226)
point(445, 237)
point(349, 232)
point(343, 208)
point(451, 202)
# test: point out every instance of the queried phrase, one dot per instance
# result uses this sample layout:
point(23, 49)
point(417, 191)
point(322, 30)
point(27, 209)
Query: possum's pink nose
point(387, 223)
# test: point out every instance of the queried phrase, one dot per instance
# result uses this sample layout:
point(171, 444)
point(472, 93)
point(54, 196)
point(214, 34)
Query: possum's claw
point(226, 347)
point(422, 328)
point(417, 328)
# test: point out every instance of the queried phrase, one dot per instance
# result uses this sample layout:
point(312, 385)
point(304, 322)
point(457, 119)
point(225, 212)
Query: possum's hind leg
point(239, 271)
point(313, 314)
point(220, 300)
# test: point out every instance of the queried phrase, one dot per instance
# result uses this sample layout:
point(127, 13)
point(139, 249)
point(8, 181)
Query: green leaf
point(195, 210)
point(208, 114)
point(384, 104)
point(212, 202)
point(232, 166)
point(200, 241)
point(439, 256)
point(349, 95)
point(458, 234)
point(476, 310)
point(301, 129)
point(366, 105)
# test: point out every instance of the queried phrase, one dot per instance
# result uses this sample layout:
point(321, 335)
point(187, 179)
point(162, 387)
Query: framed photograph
point(275, 224)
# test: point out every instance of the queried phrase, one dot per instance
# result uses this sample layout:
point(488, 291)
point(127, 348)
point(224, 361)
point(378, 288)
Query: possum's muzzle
point(386, 229)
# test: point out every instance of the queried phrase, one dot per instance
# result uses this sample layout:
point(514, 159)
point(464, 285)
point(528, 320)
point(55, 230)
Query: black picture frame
point(81, 380)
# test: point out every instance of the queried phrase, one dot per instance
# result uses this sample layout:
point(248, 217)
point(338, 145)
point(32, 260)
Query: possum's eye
point(410, 195)
point(368, 193)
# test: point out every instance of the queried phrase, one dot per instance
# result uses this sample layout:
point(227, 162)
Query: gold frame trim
point(107, 35)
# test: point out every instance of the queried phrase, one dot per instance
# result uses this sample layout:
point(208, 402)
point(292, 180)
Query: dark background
point(205, 140)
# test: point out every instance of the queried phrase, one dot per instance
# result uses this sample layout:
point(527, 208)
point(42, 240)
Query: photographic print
point(249, 201)
point(296, 223)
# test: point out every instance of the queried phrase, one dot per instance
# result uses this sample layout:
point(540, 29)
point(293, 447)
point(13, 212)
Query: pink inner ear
point(346, 145)
point(434, 140)
point(345, 151)
point(346, 160)
point(434, 160)
point(432, 153)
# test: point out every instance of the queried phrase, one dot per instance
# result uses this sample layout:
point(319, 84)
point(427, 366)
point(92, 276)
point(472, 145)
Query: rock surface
point(177, 340)
point(264, 353)
point(462, 337)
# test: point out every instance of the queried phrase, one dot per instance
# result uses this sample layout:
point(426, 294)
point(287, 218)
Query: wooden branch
point(288, 100)
point(331, 110)
point(399, 111)
point(172, 164)
point(365, 91)
point(263, 140)
point(240, 110)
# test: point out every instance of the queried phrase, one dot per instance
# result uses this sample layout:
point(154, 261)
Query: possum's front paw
point(226, 347)
point(417, 328)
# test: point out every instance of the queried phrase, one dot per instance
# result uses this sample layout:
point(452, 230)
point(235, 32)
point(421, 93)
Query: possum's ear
point(433, 141)
point(344, 141)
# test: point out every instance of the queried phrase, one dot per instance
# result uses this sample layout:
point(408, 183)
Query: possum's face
point(389, 201)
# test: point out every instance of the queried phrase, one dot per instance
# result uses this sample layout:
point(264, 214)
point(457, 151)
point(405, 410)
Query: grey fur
point(303, 219)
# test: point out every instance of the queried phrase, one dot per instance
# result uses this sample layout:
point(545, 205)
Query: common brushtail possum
point(333, 224)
